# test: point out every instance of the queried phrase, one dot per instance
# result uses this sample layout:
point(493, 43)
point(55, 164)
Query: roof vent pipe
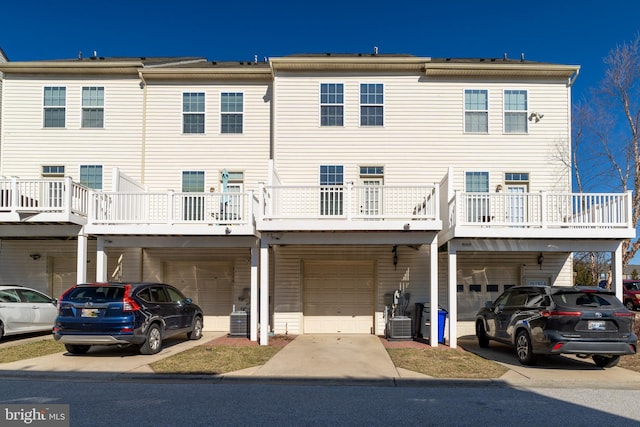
point(80, 55)
point(375, 50)
point(522, 57)
point(504, 58)
point(255, 59)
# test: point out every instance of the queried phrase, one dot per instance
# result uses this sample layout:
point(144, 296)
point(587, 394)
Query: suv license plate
point(596, 325)
point(93, 312)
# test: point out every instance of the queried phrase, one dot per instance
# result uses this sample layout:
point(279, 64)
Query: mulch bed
point(283, 340)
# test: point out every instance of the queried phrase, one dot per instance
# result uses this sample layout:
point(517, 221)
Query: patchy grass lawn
point(215, 360)
point(445, 363)
point(30, 350)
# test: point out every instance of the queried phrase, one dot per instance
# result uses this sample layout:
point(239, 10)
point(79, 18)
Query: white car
point(24, 310)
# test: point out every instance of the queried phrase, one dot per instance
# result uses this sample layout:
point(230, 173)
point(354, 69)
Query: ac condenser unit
point(399, 328)
point(239, 326)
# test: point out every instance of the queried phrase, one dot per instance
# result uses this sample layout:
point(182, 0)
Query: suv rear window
point(96, 294)
point(586, 299)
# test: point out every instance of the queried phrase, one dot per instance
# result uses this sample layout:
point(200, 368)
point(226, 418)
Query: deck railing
point(543, 210)
point(43, 195)
point(350, 202)
point(171, 208)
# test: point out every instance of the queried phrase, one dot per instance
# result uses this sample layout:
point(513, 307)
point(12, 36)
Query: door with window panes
point(193, 204)
point(516, 204)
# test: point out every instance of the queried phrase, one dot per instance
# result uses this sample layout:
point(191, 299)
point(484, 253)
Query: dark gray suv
point(581, 320)
point(124, 314)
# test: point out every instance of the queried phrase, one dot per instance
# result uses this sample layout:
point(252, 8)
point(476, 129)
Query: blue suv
point(123, 314)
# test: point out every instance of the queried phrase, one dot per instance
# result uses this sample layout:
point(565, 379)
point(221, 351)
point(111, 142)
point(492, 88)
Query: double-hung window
point(515, 111)
point(331, 191)
point(231, 109)
point(477, 189)
point(193, 112)
point(331, 104)
point(91, 176)
point(55, 106)
point(476, 111)
point(193, 205)
point(92, 107)
point(371, 104)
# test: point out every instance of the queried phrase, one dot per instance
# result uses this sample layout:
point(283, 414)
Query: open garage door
point(209, 284)
point(338, 296)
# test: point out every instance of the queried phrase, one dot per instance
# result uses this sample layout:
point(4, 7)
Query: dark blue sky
point(568, 32)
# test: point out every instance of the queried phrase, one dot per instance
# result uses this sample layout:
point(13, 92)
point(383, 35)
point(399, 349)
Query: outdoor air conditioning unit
point(399, 328)
point(239, 324)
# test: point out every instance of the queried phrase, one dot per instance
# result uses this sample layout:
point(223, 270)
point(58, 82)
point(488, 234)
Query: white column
point(264, 293)
point(101, 261)
point(616, 271)
point(255, 253)
point(433, 267)
point(81, 272)
point(453, 299)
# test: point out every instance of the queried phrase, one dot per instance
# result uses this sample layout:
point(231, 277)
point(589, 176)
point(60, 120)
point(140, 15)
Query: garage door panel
point(338, 296)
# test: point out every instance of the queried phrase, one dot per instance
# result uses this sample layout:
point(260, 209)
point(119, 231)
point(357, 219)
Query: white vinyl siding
point(423, 118)
point(27, 146)
point(247, 152)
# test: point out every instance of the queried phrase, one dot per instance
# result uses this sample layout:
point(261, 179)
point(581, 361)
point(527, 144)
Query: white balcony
point(171, 213)
point(349, 207)
point(58, 200)
point(544, 214)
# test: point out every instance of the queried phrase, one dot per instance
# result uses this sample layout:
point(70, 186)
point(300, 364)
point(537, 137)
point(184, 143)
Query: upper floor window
point(331, 104)
point(232, 107)
point(91, 176)
point(92, 107)
point(55, 103)
point(371, 104)
point(515, 111)
point(193, 112)
point(476, 111)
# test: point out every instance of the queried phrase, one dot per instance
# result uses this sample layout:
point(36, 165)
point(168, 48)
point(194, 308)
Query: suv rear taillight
point(624, 314)
point(58, 304)
point(553, 313)
point(128, 304)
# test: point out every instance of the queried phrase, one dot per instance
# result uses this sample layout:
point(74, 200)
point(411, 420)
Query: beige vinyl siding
point(169, 151)
point(423, 133)
point(28, 145)
point(288, 299)
point(55, 270)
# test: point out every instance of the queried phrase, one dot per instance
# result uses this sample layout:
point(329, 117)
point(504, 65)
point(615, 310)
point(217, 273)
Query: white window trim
point(66, 96)
point(81, 164)
point(504, 112)
point(360, 104)
point(104, 102)
point(222, 113)
point(182, 113)
point(465, 111)
point(343, 105)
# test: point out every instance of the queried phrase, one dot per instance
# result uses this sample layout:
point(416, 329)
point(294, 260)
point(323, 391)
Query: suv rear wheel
point(523, 348)
point(605, 361)
point(77, 349)
point(153, 343)
point(629, 304)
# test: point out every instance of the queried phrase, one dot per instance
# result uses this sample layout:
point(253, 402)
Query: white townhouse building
point(305, 190)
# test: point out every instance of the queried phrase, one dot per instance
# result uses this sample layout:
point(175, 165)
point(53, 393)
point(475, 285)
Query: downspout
point(143, 147)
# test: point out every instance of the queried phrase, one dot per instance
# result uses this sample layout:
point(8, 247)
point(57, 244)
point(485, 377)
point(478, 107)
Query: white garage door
point(209, 284)
point(338, 296)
